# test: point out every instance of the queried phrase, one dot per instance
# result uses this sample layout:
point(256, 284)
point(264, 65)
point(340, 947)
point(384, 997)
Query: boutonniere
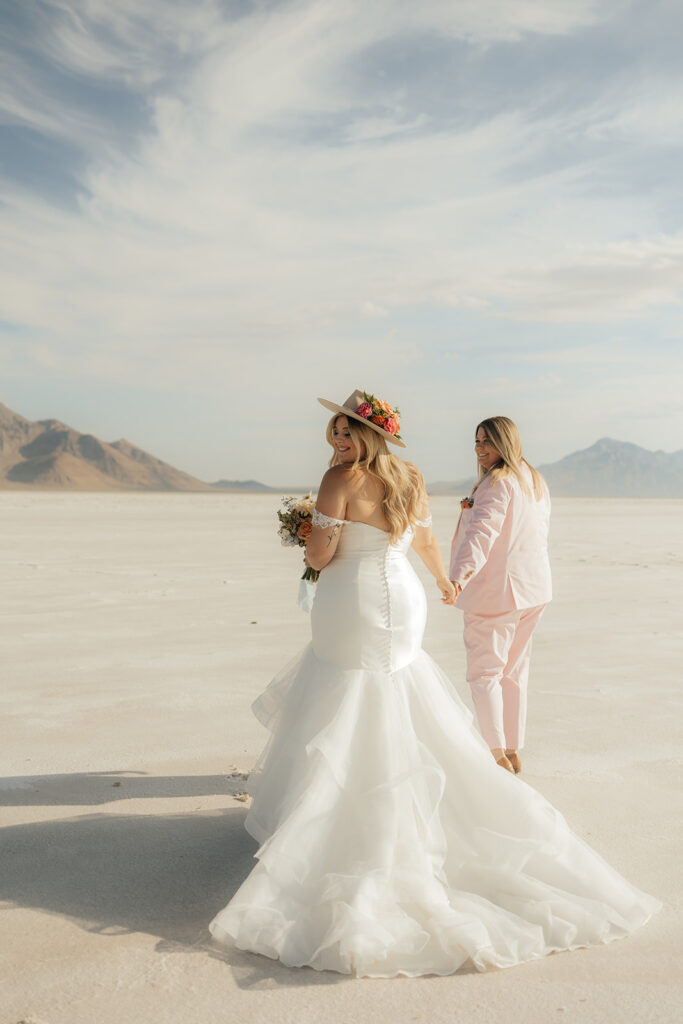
point(467, 503)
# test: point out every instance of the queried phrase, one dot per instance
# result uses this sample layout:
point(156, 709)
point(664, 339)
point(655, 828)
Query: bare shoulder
point(335, 481)
point(333, 493)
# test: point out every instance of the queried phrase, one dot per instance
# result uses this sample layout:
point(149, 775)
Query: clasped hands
point(449, 589)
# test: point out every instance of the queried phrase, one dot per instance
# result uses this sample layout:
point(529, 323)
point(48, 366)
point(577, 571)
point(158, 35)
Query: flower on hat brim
point(381, 414)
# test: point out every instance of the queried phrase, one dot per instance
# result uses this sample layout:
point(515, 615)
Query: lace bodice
point(320, 519)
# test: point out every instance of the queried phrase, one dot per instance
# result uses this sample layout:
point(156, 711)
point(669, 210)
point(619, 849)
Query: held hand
point(458, 588)
point(448, 592)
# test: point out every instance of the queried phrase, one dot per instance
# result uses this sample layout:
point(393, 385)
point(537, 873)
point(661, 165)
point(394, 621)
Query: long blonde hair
point(405, 496)
point(504, 435)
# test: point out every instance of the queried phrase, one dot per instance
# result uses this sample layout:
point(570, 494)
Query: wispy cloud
point(609, 282)
point(299, 183)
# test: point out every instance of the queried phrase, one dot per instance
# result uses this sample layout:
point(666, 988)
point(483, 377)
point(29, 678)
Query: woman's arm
point(488, 515)
point(426, 546)
point(331, 502)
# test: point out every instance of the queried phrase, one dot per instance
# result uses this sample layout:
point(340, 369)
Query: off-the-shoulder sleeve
point(424, 522)
point(320, 519)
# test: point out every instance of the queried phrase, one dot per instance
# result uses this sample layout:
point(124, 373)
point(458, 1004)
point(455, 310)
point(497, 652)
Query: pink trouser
point(498, 652)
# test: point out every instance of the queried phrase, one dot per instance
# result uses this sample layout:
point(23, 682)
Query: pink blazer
point(499, 553)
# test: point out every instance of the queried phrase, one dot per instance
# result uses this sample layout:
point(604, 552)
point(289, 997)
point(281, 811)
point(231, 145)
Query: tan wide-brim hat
point(349, 407)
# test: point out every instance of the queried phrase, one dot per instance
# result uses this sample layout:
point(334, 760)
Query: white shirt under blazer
point(499, 552)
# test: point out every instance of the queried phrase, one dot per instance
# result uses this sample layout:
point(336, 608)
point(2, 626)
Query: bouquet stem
point(311, 574)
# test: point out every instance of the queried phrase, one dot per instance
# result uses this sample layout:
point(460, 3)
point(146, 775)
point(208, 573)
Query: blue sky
point(213, 212)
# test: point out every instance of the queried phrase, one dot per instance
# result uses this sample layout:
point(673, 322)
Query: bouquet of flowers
point(295, 529)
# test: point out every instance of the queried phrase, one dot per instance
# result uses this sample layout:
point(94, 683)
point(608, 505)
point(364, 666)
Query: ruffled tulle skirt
point(391, 842)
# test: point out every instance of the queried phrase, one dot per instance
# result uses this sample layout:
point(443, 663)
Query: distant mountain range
point(608, 469)
point(49, 454)
point(246, 486)
point(255, 487)
point(616, 469)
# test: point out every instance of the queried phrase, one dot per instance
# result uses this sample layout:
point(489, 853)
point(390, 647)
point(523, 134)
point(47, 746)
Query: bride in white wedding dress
point(391, 842)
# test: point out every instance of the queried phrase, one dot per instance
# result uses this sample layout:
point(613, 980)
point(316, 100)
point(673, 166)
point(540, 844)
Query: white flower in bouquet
point(295, 526)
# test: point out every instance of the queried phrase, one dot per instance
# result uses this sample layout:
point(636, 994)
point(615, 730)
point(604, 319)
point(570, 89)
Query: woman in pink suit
point(500, 569)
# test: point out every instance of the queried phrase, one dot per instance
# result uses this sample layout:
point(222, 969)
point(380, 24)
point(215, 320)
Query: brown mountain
point(49, 454)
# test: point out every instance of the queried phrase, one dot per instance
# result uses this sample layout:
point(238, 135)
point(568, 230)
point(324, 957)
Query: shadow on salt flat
point(82, 789)
point(164, 875)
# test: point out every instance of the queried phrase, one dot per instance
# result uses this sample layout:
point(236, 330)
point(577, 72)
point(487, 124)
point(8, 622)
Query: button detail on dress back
point(387, 608)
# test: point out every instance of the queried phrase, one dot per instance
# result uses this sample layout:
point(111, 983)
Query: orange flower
point(385, 407)
point(304, 531)
point(379, 420)
point(391, 425)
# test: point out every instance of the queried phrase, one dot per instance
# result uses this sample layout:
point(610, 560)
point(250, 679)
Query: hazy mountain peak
point(610, 444)
point(48, 453)
point(53, 424)
point(607, 469)
point(620, 469)
point(250, 486)
point(7, 415)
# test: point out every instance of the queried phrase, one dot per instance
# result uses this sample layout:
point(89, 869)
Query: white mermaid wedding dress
point(391, 842)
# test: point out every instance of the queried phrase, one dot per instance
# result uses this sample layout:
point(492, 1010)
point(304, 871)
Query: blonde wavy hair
point(504, 435)
point(405, 496)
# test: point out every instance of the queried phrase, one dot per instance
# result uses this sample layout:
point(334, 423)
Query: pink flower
point(364, 410)
point(391, 426)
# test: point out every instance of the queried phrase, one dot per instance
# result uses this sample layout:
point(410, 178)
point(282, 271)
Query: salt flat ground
point(136, 630)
